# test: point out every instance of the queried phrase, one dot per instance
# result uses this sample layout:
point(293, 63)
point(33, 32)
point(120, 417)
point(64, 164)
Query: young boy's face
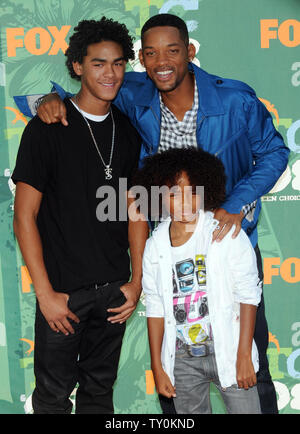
point(102, 70)
point(181, 201)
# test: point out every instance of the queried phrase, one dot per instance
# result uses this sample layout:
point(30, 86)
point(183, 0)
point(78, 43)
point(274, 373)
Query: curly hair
point(203, 169)
point(89, 32)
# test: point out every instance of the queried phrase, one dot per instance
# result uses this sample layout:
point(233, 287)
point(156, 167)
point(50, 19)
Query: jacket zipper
point(231, 140)
point(151, 147)
point(198, 128)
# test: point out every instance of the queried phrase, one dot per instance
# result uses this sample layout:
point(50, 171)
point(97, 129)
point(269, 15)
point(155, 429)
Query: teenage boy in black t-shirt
point(79, 264)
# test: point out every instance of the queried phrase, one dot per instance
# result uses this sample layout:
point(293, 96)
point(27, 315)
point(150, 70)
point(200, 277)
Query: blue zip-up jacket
point(232, 124)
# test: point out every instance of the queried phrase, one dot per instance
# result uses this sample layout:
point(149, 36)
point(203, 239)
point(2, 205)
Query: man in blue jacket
point(176, 104)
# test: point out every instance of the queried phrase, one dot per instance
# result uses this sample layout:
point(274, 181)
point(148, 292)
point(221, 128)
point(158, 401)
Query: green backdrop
point(254, 41)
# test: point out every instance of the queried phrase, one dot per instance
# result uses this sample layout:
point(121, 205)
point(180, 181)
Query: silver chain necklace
point(107, 168)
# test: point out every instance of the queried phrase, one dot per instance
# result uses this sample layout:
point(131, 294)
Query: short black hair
point(89, 32)
point(203, 170)
point(167, 20)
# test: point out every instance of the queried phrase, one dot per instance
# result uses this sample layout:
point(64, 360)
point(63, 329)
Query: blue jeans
point(193, 376)
point(265, 386)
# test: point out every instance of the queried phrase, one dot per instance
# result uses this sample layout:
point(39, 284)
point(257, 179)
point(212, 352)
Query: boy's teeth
point(164, 72)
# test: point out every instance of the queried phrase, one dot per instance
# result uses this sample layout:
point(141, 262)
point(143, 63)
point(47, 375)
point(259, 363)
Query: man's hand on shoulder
point(52, 110)
point(226, 221)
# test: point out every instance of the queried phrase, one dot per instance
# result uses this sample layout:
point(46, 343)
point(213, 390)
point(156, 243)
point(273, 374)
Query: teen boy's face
point(102, 70)
point(165, 57)
point(182, 201)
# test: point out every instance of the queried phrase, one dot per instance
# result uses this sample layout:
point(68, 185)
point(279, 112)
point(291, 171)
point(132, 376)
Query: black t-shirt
point(63, 163)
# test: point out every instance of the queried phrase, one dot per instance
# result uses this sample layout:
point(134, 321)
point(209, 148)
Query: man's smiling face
point(165, 57)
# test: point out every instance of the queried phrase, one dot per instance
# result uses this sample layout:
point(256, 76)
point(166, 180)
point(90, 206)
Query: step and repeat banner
point(257, 42)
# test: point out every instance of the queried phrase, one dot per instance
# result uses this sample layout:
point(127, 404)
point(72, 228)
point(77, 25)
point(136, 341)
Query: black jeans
point(265, 386)
point(90, 357)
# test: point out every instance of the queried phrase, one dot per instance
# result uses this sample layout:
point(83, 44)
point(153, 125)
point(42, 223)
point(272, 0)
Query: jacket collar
point(161, 235)
point(209, 101)
point(148, 94)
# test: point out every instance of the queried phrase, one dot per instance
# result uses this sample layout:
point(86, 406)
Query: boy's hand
point(226, 221)
point(54, 307)
point(52, 110)
point(163, 384)
point(245, 373)
point(132, 292)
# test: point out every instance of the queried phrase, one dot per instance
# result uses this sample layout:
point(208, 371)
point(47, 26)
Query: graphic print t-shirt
point(189, 290)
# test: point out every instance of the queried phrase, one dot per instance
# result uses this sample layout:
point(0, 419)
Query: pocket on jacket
point(232, 139)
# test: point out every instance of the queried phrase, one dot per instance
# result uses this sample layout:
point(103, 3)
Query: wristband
point(40, 99)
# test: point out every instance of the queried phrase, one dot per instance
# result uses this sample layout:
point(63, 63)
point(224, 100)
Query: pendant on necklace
point(108, 172)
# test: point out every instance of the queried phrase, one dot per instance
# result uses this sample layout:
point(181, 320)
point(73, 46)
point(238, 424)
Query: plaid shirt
point(248, 210)
point(175, 134)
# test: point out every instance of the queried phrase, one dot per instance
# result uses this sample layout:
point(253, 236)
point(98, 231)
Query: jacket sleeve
point(126, 98)
point(121, 100)
point(270, 157)
point(243, 269)
point(27, 104)
point(154, 302)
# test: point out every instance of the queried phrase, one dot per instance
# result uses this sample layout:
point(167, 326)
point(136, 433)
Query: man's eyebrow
point(169, 45)
point(97, 59)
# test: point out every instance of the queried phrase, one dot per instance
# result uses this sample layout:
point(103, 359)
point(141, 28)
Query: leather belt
point(198, 350)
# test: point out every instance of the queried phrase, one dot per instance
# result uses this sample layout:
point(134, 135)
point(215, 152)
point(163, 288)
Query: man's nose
point(162, 58)
point(109, 71)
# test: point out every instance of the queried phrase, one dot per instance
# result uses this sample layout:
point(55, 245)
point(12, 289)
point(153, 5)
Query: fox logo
point(15, 38)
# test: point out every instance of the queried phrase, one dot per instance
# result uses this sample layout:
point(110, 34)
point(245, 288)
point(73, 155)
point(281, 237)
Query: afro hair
point(203, 170)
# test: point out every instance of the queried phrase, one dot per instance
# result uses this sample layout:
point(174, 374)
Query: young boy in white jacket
point(201, 297)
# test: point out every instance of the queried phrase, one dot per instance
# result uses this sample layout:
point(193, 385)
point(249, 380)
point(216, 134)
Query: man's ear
point(141, 57)
point(191, 52)
point(77, 68)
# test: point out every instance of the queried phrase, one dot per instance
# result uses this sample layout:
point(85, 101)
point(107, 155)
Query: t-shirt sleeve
point(33, 163)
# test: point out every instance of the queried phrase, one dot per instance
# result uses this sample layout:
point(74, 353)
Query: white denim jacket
point(232, 278)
